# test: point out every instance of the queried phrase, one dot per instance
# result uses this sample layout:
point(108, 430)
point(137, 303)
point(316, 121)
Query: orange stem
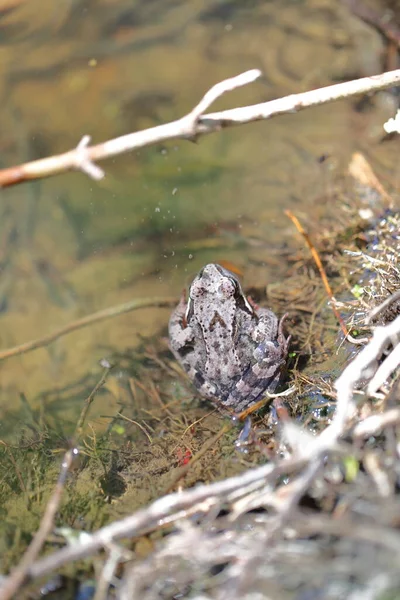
point(320, 267)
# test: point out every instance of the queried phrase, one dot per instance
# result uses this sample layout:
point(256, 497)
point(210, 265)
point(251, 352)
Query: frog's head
point(214, 285)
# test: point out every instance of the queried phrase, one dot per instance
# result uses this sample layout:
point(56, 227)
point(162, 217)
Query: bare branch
point(193, 124)
point(388, 366)
point(101, 315)
point(116, 554)
point(362, 367)
point(378, 309)
point(220, 88)
point(376, 423)
point(380, 536)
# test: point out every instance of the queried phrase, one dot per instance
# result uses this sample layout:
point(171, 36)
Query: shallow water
point(70, 246)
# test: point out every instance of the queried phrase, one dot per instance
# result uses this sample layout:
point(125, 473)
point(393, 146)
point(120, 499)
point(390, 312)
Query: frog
point(232, 350)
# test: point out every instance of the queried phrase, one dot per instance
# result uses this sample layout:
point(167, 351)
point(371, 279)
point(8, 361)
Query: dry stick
point(378, 309)
point(375, 423)
point(116, 554)
point(388, 366)
point(101, 315)
point(193, 124)
point(311, 524)
point(18, 575)
point(320, 267)
point(360, 368)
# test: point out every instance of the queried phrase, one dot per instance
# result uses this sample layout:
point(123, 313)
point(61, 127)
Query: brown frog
point(232, 350)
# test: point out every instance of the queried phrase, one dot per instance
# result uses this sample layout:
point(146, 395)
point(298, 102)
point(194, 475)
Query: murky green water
point(70, 246)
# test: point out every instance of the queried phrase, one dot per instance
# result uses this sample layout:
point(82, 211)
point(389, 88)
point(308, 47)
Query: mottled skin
point(232, 350)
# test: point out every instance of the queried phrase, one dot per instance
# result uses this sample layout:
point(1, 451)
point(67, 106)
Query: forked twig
point(192, 125)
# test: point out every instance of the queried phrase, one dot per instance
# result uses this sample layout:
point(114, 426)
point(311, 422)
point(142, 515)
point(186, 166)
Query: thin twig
point(88, 402)
point(101, 315)
point(219, 89)
point(378, 309)
point(18, 575)
point(388, 366)
point(193, 125)
point(362, 367)
point(376, 423)
point(320, 267)
point(146, 433)
point(116, 554)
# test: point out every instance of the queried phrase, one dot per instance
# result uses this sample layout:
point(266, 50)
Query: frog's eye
point(196, 290)
point(227, 288)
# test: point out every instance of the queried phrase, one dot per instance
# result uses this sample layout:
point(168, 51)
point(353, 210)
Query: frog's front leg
point(180, 333)
point(182, 343)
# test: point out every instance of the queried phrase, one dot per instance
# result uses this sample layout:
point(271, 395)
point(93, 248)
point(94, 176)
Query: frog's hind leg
point(261, 377)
